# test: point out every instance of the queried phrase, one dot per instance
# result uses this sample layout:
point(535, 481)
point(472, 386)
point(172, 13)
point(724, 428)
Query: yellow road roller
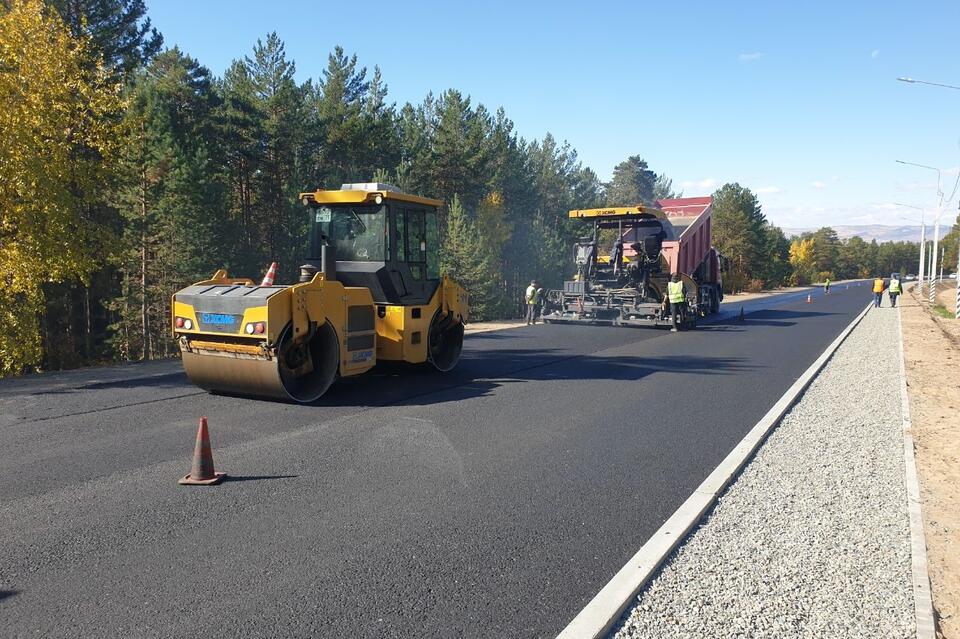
point(370, 290)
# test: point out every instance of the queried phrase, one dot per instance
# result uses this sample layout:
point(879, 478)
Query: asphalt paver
point(494, 500)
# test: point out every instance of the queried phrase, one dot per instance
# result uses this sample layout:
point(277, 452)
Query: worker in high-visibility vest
point(533, 300)
point(878, 287)
point(677, 297)
point(894, 290)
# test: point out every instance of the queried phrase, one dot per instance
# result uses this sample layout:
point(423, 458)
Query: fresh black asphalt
point(493, 501)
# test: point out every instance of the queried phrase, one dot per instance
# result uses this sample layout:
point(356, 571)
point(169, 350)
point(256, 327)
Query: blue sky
point(798, 101)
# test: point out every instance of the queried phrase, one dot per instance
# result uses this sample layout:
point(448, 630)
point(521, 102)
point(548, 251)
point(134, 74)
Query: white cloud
point(875, 53)
point(814, 217)
point(917, 186)
point(817, 184)
point(767, 190)
point(749, 57)
point(706, 183)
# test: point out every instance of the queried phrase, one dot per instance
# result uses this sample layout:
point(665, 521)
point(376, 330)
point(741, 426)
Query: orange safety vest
point(878, 285)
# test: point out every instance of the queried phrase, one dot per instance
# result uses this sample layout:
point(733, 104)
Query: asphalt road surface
point(493, 501)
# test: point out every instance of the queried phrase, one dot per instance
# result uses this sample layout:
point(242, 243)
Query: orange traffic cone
point(809, 298)
point(202, 473)
point(271, 273)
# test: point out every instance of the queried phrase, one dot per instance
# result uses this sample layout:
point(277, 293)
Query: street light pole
point(923, 246)
point(936, 225)
point(933, 84)
point(957, 307)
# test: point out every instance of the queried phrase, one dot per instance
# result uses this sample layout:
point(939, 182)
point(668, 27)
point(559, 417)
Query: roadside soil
point(496, 325)
point(932, 354)
point(743, 297)
point(947, 295)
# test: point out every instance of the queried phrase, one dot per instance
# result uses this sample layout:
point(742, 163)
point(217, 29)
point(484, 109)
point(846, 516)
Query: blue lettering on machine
point(218, 319)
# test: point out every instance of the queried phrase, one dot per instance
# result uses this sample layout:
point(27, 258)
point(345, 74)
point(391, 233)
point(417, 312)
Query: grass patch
point(942, 311)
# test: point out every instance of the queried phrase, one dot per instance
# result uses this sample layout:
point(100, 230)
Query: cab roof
point(365, 193)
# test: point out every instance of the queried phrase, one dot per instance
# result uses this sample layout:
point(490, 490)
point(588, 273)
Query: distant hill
point(868, 232)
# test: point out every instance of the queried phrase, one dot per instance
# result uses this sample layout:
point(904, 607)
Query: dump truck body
point(628, 287)
point(387, 302)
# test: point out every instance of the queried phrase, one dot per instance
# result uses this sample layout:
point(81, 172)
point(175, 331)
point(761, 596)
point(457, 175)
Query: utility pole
point(936, 224)
point(923, 245)
point(956, 88)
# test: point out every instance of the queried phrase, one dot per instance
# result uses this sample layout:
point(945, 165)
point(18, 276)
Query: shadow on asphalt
point(482, 372)
point(6, 594)
point(765, 318)
point(237, 478)
point(170, 380)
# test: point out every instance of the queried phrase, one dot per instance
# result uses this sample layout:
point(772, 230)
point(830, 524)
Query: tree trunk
point(144, 317)
point(88, 339)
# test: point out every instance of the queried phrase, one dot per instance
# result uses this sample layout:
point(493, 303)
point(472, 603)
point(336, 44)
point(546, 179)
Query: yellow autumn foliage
point(58, 140)
point(803, 260)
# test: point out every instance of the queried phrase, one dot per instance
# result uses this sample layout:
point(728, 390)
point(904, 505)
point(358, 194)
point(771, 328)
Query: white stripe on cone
point(271, 273)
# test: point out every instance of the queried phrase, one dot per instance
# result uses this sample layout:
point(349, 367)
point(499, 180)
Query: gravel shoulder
point(812, 539)
point(932, 354)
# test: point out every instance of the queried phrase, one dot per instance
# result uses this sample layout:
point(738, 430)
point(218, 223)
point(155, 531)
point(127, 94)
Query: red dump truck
point(627, 287)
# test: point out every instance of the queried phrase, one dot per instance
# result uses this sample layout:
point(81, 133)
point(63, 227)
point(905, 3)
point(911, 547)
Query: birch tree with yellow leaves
point(58, 136)
point(803, 261)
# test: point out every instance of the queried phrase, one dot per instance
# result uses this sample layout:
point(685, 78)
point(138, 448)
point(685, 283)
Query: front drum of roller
point(270, 378)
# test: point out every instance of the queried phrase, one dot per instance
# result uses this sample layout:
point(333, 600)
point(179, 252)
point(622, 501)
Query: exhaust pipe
point(328, 262)
point(327, 265)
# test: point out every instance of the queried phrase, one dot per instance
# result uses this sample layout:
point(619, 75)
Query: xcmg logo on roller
point(218, 319)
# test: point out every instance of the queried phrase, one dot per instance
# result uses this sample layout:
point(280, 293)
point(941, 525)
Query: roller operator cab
point(370, 289)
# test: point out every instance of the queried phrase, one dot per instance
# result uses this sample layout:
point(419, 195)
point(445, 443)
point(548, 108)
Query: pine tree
point(279, 224)
point(459, 158)
point(171, 200)
point(466, 259)
point(118, 29)
point(633, 183)
point(739, 234)
point(241, 129)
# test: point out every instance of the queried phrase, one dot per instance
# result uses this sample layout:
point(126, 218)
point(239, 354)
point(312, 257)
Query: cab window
point(433, 246)
point(400, 237)
point(359, 232)
point(416, 243)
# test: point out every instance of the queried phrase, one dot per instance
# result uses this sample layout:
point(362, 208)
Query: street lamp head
point(910, 80)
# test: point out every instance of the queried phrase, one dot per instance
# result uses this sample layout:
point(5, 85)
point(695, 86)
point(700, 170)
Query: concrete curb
point(922, 598)
point(604, 610)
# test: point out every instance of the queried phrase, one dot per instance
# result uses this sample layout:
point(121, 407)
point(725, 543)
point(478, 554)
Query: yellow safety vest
point(894, 286)
point(675, 292)
point(878, 285)
point(532, 296)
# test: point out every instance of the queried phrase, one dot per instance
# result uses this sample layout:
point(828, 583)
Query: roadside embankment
point(492, 325)
point(813, 538)
point(932, 359)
